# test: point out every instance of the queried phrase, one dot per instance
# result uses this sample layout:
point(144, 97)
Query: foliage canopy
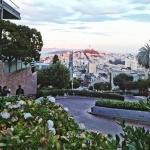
point(19, 42)
point(123, 80)
point(57, 75)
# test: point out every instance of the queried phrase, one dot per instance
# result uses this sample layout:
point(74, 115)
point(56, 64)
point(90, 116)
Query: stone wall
point(23, 77)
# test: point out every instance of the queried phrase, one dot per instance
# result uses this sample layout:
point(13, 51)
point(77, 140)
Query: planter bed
point(121, 113)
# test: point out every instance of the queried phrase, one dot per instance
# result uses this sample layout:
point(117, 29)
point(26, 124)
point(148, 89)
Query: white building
point(133, 64)
point(91, 68)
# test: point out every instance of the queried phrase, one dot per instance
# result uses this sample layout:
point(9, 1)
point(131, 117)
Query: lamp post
point(72, 83)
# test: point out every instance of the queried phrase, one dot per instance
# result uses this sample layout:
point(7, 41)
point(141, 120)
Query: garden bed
point(121, 113)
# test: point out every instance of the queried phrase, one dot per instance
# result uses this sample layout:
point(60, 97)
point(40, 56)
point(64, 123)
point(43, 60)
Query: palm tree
point(143, 57)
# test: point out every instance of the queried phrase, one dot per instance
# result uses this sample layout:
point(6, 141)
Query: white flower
point(22, 110)
point(5, 115)
point(13, 119)
point(51, 99)
point(81, 126)
point(12, 129)
point(21, 102)
point(57, 104)
point(66, 109)
point(11, 106)
point(53, 130)
point(70, 133)
point(39, 100)
point(8, 103)
point(50, 124)
point(16, 106)
point(27, 115)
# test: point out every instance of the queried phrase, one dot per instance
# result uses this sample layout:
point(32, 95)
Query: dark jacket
point(4, 92)
point(19, 91)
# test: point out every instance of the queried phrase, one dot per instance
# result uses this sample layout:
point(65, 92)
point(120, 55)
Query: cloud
point(140, 1)
point(98, 8)
point(63, 12)
point(90, 18)
point(81, 27)
point(44, 12)
point(138, 17)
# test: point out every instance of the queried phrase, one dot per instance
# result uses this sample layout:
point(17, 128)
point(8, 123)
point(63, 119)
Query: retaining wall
point(23, 77)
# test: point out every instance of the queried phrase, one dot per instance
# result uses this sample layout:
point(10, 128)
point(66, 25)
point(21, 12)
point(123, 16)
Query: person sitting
point(19, 91)
point(5, 92)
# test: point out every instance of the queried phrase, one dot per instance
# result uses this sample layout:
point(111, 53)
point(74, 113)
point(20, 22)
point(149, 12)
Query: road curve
point(78, 107)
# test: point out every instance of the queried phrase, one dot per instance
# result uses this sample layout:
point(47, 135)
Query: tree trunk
point(146, 71)
point(16, 62)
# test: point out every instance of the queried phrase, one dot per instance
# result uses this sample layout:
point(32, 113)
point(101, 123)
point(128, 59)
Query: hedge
point(80, 93)
point(121, 105)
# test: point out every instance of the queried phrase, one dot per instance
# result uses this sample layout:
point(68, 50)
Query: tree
point(91, 88)
point(19, 42)
point(55, 59)
point(142, 85)
point(121, 79)
point(43, 77)
point(102, 86)
point(143, 57)
point(57, 75)
point(60, 75)
point(76, 84)
point(97, 86)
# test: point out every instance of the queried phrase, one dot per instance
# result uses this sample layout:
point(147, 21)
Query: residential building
point(91, 68)
point(133, 64)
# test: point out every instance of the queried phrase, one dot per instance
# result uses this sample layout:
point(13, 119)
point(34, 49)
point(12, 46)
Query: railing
point(10, 3)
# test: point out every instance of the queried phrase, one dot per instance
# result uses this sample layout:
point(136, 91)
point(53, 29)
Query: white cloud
point(105, 24)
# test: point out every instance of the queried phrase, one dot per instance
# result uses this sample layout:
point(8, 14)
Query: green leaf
point(58, 145)
point(111, 146)
point(65, 138)
point(2, 145)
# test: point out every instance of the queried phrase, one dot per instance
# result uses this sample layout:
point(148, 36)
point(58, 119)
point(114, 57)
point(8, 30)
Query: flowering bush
point(27, 124)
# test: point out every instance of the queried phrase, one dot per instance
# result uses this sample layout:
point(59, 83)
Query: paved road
point(78, 108)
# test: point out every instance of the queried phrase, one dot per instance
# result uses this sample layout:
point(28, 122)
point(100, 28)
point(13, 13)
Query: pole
point(1, 10)
point(72, 83)
point(149, 65)
point(72, 70)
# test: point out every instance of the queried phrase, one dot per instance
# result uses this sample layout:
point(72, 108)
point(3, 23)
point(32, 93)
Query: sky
point(104, 25)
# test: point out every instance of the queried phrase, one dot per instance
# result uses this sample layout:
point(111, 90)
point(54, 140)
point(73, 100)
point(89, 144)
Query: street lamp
point(72, 83)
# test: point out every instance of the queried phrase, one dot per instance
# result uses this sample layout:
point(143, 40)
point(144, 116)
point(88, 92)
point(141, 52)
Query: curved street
point(79, 107)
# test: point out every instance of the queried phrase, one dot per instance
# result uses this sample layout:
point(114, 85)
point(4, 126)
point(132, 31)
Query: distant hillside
point(59, 52)
point(92, 52)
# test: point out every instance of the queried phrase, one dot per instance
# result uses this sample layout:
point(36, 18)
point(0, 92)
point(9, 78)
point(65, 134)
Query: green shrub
point(80, 93)
point(134, 138)
point(32, 132)
point(121, 105)
point(19, 132)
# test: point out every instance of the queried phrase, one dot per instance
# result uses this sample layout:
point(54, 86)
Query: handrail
point(12, 4)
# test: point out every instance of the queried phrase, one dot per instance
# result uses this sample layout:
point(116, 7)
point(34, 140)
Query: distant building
point(133, 64)
point(40, 65)
point(91, 68)
point(71, 64)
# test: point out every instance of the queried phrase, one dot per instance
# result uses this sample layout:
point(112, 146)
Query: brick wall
point(23, 77)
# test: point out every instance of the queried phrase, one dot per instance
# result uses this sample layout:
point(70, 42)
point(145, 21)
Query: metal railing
point(10, 3)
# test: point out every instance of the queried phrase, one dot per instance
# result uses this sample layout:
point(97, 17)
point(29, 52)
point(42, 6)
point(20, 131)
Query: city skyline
point(108, 26)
